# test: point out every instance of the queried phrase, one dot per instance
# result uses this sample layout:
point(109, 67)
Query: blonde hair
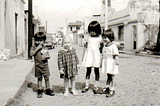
point(67, 38)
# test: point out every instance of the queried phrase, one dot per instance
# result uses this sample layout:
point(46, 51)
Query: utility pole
point(30, 34)
point(46, 26)
point(158, 38)
point(106, 14)
point(66, 27)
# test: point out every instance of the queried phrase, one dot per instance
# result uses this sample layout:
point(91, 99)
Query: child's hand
point(61, 71)
point(78, 66)
point(39, 46)
point(117, 63)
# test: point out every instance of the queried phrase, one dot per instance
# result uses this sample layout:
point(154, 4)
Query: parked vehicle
point(49, 41)
point(119, 44)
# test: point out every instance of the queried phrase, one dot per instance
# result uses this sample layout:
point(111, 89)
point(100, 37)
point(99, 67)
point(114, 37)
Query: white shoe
point(75, 92)
point(66, 94)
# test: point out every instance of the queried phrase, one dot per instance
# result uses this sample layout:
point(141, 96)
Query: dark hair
point(40, 36)
point(109, 34)
point(94, 26)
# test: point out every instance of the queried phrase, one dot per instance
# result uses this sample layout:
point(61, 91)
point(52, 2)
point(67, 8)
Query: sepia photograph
point(79, 53)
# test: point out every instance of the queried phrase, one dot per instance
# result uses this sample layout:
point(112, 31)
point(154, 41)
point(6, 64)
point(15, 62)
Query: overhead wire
point(75, 11)
point(43, 10)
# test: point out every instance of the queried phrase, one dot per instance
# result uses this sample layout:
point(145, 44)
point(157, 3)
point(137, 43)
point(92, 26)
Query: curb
point(22, 89)
point(140, 54)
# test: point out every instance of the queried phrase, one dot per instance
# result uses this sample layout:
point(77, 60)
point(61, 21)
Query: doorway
point(134, 37)
point(16, 30)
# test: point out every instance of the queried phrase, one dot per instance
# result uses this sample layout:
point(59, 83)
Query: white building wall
point(2, 34)
point(141, 39)
point(115, 30)
point(12, 8)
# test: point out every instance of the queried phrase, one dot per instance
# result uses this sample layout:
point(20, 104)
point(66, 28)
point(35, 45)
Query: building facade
point(12, 26)
point(136, 24)
point(76, 31)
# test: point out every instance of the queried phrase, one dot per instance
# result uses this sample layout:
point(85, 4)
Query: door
point(134, 37)
point(16, 36)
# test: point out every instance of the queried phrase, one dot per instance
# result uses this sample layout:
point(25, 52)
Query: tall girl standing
point(110, 57)
point(92, 56)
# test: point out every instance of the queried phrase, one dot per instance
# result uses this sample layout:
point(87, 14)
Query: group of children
point(100, 51)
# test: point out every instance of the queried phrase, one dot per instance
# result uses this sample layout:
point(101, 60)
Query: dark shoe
point(95, 90)
point(39, 93)
point(111, 93)
point(104, 91)
point(50, 92)
point(85, 89)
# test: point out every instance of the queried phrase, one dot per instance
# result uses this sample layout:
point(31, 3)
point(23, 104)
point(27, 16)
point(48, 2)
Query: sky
point(59, 12)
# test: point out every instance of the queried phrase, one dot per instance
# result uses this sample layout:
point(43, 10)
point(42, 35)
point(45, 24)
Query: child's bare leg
point(66, 84)
point(72, 81)
point(112, 84)
point(109, 79)
point(47, 83)
point(97, 75)
point(48, 90)
point(40, 83)
point(88, 73)
point(40, 88)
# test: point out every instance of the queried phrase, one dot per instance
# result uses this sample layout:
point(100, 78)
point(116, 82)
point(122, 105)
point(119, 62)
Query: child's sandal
point(96, 90)
point(106, 90)
point(111, 93)
point(85, 89)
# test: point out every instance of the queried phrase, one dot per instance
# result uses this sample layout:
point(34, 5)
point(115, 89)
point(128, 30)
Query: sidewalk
point(13, 74)
point(142, 53)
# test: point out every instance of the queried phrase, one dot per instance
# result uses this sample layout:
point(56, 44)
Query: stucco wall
point(2, 39)
point(14, 7)
point(128, 36)
point(115, 30)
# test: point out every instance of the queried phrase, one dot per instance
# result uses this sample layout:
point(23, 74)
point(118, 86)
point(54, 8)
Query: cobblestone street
point(137, 84)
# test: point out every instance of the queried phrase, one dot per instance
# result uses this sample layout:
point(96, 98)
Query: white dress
point(108, 62)
point(92, 56)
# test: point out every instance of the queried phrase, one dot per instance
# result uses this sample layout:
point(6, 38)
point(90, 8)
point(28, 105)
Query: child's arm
point(35, 49)
point(116, 54)
point(116, 59)
point(76, 58)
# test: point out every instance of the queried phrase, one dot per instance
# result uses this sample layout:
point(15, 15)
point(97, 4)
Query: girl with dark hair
point(92, 56)
point(109, 61)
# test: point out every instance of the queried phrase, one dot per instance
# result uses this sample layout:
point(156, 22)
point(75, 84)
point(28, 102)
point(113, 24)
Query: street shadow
point(78, 85)
point(60, 88)
point(33, 86)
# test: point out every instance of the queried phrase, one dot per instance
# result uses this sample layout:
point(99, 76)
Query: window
point(77, 28)
point(134, 37)
point(70, 28)
point(109, 3)
point(103, 2)
point(120, 32)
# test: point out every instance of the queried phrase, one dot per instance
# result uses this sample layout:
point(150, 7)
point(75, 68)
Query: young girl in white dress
point(92, 56)
point(110, 57)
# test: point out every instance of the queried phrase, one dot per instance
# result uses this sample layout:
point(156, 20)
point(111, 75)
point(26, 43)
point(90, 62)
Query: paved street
point(137, 84)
